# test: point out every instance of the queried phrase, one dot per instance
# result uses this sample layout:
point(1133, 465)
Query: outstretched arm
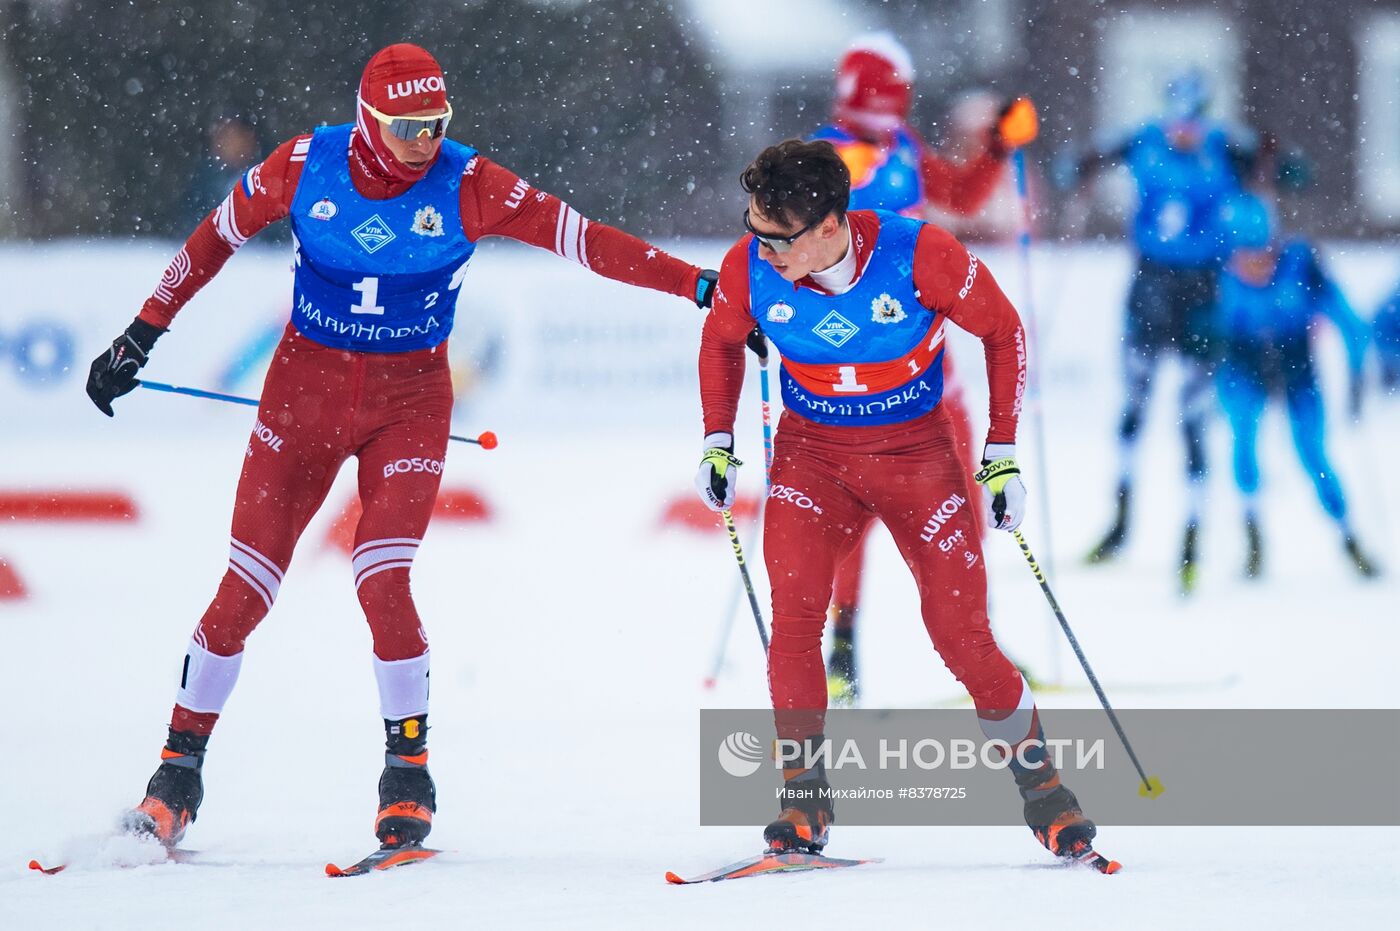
point(497, 202)
point(263, 196)
point(1069, 169)
point(962, 188)
point(722, 342)
point(1329, 301)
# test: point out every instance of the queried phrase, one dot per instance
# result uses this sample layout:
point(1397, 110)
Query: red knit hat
point(399, 79)
point(874, 85)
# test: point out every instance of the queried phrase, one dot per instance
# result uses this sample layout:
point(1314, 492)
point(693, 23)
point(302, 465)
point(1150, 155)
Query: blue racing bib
point(377, 275)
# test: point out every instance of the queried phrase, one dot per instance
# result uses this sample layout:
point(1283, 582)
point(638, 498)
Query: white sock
point(403, 687)
point(1016, 726)
point(207, 679)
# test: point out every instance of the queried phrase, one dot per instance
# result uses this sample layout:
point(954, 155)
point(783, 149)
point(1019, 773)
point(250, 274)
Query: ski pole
point(486, 439)
point(767, 417)
point(748, 581)
point(1151, 785)
point(722, 644)
point(759, 344)
point(1037, 403)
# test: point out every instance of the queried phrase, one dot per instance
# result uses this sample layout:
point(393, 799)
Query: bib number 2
point(369, 293)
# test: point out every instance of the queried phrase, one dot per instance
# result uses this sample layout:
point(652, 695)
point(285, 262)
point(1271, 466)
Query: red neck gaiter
point(398, 79)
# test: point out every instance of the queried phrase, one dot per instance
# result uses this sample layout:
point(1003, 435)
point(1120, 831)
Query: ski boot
point(1254, 561)
point(1363, 564)
point(1053, 815)
point(1117, 535)
point(407, 796)
point(174, 792)
point(805, 822)
point(1189, 573)
point(842, 686)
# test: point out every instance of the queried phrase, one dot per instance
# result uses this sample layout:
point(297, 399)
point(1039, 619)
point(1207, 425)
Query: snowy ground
point(570, 637)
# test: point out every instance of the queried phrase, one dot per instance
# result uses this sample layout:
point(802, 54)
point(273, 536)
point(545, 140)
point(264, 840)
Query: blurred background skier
point(1272, 292)
point(893, 168)
point(1185, 166)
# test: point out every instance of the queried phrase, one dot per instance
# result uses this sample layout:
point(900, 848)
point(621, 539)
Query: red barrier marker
point(11, 586)
point(454, 505)
point(690, 512)
point(67, 506)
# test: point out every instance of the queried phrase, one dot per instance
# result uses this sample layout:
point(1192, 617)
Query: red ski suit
point(902, 473)
point(963, 189)
point(320, 405)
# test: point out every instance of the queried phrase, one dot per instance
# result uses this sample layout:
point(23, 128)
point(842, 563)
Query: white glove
point(1002, 489)
point(718, 472)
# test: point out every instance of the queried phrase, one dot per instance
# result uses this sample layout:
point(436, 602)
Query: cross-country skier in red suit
point(385, 213)
point(858, 304)
point(893, 168)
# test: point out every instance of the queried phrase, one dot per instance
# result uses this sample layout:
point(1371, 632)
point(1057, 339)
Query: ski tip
point(1112, 867)
point(46, 870)
point(333, 870)
point(1151, 788)
point(673, 879)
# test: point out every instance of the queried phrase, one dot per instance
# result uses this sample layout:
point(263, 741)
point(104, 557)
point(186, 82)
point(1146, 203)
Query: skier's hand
point(1017, 125)
point(1003, 492)
point(718, 472)
point(757, 344)
point(113, 373)
point(705, 287)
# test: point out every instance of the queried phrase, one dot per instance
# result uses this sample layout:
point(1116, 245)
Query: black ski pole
point(748, 581)
point(1151, 785)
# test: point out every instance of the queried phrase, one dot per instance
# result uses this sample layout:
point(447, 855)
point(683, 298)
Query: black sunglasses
point(778, 243)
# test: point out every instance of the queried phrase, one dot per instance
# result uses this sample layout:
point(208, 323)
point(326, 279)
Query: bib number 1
point(848, 381)
point(369, 293)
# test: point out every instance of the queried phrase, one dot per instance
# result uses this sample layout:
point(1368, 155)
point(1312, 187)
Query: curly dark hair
point(798, 182)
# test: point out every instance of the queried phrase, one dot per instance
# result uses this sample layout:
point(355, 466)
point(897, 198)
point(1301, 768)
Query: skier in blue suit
point(1185, 167)
point(1271, 293)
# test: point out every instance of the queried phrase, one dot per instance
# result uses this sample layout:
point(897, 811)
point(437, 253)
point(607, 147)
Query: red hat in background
point(874, 85)
point(399, 79)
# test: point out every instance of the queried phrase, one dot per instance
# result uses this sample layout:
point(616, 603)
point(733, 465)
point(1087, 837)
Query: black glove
point(757, 344)
point(705, 288)
point(113, 373)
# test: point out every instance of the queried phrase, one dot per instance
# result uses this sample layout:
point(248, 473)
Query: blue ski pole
point(486, 439)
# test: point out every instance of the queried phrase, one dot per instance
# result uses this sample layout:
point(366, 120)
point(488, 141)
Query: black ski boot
point(1189, 572)
point(1364, 566)
point(807, 815)
point(1053, 815)
point(842, 686)
point(174, 792)
point(1117, 535)
point(407, 796)
point(1254, 561)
